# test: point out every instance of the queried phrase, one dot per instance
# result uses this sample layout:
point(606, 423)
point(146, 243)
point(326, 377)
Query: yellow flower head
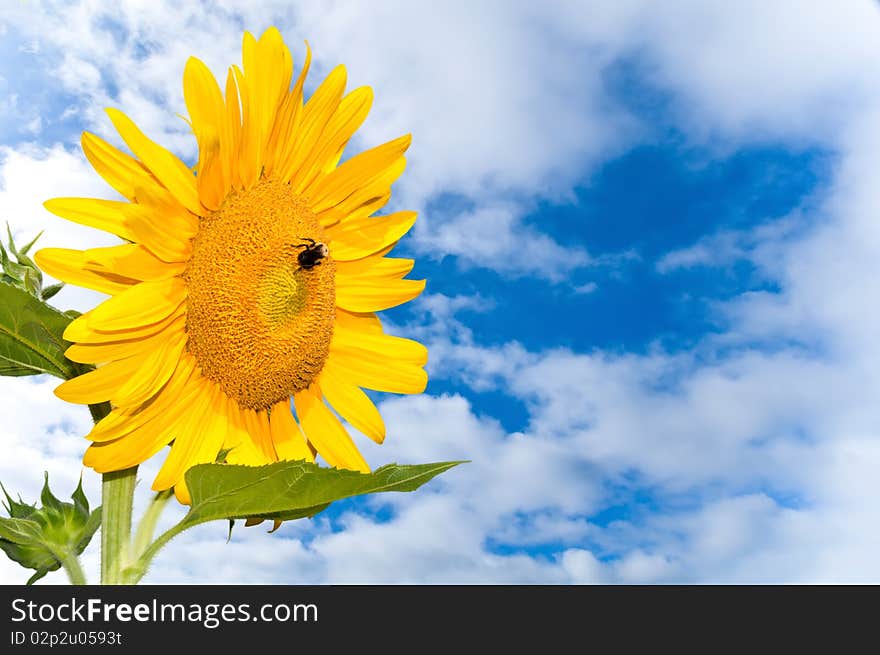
point(251, 282)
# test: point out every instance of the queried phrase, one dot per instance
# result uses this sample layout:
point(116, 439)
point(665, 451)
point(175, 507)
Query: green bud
point(40, 538)
point(19, 270)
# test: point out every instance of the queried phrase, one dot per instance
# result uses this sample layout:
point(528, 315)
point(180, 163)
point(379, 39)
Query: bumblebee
point(314, 252)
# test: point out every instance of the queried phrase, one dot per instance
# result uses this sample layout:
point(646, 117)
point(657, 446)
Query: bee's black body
point(312, 255)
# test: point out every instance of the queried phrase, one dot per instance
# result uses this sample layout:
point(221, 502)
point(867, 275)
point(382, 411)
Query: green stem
point(117, 493)
point(117, 496)
point(144, 534)
point(74, 570)
point(138, 570)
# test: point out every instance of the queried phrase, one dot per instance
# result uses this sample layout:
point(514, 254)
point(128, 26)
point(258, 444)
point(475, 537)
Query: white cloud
point(493, 237)
point(762, 244)
point(584, 289)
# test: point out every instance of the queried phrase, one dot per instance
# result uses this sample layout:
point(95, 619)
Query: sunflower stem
point(139, 568)
point(117, 498)
point(144, 534)
point(117, 494)
point(74, 569)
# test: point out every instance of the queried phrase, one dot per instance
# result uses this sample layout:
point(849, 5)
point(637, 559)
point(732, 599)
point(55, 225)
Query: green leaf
point(33, 281)
point(50, 502)
point(30, 336)
point(21, 253)
point(24, 251)
point(15, 272)
point(42, 538)
point(51, 290)
point(24, 273)
point(290, 490)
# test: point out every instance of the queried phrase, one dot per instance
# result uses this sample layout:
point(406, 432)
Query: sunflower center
point(258, 322)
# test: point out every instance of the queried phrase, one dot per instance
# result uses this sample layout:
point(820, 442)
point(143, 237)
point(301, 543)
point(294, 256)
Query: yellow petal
point(262, 86)
point(360, 172)
point(257, 426)
point(203, 98)
point(287, 127)
point(247, 454)
point(333, 215)
point(149, 230)
point(317, 113)
point(371, 371)
point(362, 322)
point(348, 117)
point(131, 261)
point(351, 403)
point(249, 138)
point(80, 331)
point(198, 437)
point(243, 449)
point(207, 110)
point(99, 353)
point(378, 187)
point(373, 269)
point(104, 215)
point(156, 369)
point(379, 345)
point(209, 444)
point(370, 297)
point(106, 352)
point(120, 170)
point(278, 148)
point(289, 442)
point(326, 433)
point(155, 415)
point(167, 168)
point(124, 453)
point(175, 217)
point(212, 186)
point(233, 124)
point(69, 266)
point(141, 305)
point(127, 437)
point(272, 73)
point(354, 239)
point(98, 385)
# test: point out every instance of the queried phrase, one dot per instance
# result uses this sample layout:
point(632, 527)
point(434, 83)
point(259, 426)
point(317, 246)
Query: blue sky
point(650, 243)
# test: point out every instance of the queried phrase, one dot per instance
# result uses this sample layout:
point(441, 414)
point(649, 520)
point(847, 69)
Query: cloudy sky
point(651, 238)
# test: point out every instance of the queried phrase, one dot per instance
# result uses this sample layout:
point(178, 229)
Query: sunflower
point(244, 283)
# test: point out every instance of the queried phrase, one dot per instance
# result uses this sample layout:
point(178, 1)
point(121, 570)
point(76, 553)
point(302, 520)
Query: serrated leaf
point(31, 339)
point(290, 490)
